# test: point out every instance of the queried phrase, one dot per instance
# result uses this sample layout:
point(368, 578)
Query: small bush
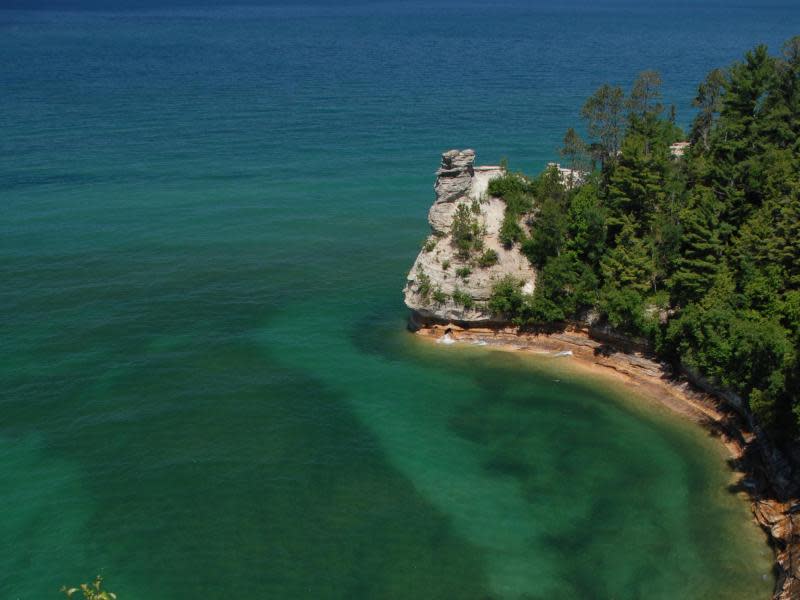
point(507, 298)
point(439, 297)
point(509, 184)
point(463, 272)
point(463, 298)
point(488, 259)
point(510, 230)
point(423, 283)
point(429, 244)
point(446, 265)
point(466, 231)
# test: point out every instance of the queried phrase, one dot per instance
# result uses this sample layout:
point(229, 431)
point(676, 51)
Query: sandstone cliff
point(446, 281)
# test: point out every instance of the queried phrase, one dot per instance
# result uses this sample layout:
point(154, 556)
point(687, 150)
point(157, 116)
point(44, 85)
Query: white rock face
point(460, 182)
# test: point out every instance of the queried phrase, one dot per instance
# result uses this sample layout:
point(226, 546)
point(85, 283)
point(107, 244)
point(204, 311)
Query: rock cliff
point(452, 277)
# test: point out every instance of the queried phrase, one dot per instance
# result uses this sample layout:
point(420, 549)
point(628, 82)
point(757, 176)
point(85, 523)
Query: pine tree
point(736, 167)
point(603, 112)
point(709, 102)
point(574, 148)
point(636, 182)
point(629, 264)
point(780, 122)
point(644, 104)
point(700, 250)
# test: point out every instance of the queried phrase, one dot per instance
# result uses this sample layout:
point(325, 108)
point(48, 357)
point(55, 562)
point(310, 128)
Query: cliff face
point(446, 281)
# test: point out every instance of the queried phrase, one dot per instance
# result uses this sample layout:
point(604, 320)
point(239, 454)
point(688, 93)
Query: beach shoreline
point(653, 381)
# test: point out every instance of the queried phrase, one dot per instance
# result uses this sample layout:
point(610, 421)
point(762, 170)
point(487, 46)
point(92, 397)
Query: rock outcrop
point(446, 283)
point(782, 521)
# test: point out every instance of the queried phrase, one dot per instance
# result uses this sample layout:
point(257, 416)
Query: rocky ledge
point(452, 277)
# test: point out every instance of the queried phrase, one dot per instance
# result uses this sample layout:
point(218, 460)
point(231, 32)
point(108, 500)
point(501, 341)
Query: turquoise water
point(207, 215)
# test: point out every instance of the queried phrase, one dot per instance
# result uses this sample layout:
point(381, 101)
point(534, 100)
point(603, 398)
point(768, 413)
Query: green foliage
point(488, 259)
point(700, 249)
point(562, 287)
point(586, 224)
point(463, 298)
point(623, 308)
point(510, 230)
point(90, 591)
point(548, 235)
point(517, 193)
point(629, 264)
point(466, 231)
point(509, 184)
point(445, 264)
point(709, 102)
point(429, 244)
point(605, 121)
point(643, 101)
point(464, 272)
point(439, 297)
point(507, 298)
point(423, 283)
point(575, 150)
point(711, 243)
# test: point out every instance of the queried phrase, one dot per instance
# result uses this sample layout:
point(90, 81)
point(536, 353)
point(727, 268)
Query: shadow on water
point(625, 500)
point(273, 491)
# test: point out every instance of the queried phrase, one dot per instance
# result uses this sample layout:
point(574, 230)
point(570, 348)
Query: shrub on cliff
point(517, 191)
point(423, 283)
point(463, 298)
point(507, 298)
point(466, 232)
point(488, 259)
point(464, 272)
point(510, 184)
point(510, 230)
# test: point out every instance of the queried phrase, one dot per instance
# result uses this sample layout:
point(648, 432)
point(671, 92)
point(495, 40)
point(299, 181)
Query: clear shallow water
point(206, 217)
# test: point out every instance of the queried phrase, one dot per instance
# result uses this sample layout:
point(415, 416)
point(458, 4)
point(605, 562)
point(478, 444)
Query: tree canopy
point(700, 252)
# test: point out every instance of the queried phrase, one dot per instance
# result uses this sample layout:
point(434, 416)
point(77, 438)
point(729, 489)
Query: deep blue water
point(206, 216)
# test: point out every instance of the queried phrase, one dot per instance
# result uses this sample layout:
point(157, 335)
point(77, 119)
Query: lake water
point(206, 218)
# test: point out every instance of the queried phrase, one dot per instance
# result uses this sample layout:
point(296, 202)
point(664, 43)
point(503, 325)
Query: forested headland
point(695, 248)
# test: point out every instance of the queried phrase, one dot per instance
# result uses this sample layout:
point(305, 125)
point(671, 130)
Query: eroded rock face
point(453, 182)
point(439, 272)
point(782, 521)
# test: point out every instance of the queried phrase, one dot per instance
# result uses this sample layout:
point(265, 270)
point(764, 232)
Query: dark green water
point(206, 217)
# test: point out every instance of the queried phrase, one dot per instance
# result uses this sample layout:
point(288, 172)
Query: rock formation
point(443, 276)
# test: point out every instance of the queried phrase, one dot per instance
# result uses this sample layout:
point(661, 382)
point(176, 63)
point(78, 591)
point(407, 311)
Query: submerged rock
point(445, 282)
